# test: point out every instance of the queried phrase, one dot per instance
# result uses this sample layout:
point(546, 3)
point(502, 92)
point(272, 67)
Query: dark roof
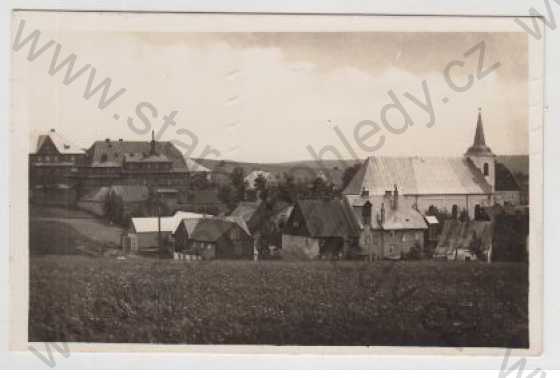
point(114, 151)
point(199, 196)
point(328, 217)
point(211, 229)
point(457, 234)
point(505, 179)
point(479, 146)
point(245, 210)
point(131, 193)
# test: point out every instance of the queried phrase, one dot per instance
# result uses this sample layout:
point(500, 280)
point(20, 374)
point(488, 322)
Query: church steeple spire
point(479, 146)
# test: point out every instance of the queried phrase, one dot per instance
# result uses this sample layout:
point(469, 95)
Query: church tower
point(481, 155)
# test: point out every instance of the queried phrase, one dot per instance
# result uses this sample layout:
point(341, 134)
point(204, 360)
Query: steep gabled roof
point(505, 179)
point(63, 145)
point(245, 210)
point(328, 217)
point(211, 229)
point(418, 175)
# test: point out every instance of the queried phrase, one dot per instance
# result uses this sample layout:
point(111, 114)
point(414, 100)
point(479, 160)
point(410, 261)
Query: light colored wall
point(304, 244)
point(446, 201)
point(398, 243)
point(479, 162)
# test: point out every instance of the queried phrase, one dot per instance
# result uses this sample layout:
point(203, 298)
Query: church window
point(486, 169)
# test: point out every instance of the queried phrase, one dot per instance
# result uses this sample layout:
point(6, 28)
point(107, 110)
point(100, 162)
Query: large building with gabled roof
point(54, 160)
point(446, 183)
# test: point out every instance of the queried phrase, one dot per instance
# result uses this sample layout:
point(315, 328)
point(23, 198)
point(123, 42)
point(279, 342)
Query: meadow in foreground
point(140, 300)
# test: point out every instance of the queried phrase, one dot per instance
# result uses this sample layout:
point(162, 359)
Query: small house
point(321, 228)
point(391, 227)
point(148, 230)
point(214, 238)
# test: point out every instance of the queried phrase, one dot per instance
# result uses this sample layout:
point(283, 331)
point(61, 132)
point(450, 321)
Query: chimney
point(52, 130)
point(153, 145)
point(366, 213)
point(365, 193)
point(395, 198)
point(107, 140)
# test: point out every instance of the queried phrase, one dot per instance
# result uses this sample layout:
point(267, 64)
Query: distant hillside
point(308, 169)
point(300, 170)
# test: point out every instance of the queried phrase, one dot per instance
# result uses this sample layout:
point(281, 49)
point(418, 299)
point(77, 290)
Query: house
point(265, 220)
point(147, 230)
point(446, 183)
point(214, 238)
point(391, 228)
point(321, 228)
point(465, 240)
point(51, 167)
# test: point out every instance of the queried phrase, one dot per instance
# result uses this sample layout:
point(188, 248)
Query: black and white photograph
point(277, 181)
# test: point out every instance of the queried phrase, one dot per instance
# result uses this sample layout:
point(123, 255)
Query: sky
point(285, 96)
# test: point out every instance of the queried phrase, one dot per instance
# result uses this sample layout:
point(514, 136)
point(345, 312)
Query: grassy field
point(54, 230)
point(77, 298)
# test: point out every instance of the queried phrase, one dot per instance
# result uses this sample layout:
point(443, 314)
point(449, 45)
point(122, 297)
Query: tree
point(287, 191)
point(261, 187)
point(238, 182)
point(320, 188)
point(226, 195)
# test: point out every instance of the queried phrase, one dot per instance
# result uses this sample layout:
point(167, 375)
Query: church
point(451, 184)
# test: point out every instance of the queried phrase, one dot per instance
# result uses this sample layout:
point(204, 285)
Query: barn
point(321, 228)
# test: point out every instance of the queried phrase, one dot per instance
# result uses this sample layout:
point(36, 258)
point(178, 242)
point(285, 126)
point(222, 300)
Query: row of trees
point(288, 189)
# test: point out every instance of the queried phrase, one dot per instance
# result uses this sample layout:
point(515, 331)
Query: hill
point(309, 169)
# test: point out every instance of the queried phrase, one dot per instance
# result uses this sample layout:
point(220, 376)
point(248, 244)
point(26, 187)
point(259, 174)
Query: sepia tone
point(286, 188)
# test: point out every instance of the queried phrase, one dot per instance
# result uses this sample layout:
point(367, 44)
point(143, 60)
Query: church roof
point(418, 175)
point(479, 146)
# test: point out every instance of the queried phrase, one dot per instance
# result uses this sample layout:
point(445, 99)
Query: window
point(486, 169)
